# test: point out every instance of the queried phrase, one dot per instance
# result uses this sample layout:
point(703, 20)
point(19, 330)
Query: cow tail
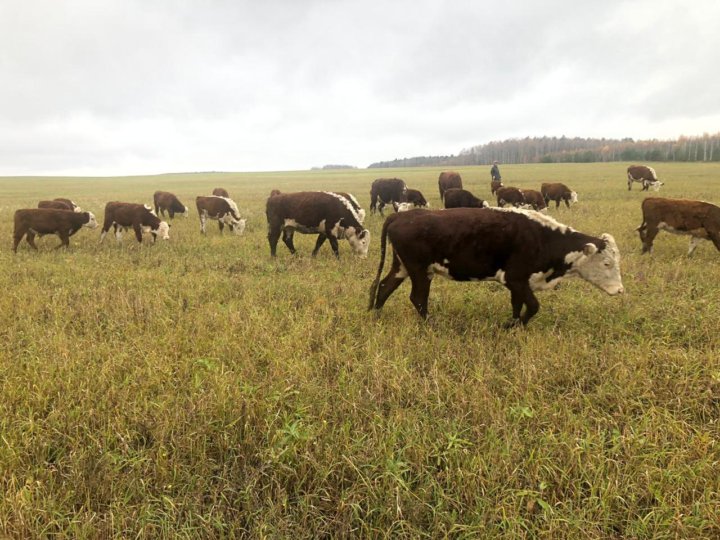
point(383, 245)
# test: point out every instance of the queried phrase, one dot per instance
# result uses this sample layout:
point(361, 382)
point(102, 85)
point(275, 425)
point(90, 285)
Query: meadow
point(197, 388)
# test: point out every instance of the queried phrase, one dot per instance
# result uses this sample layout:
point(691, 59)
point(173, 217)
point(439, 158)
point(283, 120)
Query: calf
point(535, 199)
point(700, 220)
point(447, 180)
point(74, 207)
point(416, 198)
point(220, 192)
point(41, 221)
point(166, 201)
point(645, 175)
point(495, 185)
point(327, 214)
point(461, 198)
point(524, 250)
point(57, 205)
point(386, 191)
point(224, 210)
point(122, 216)
point(510, 195)
point(558, 192)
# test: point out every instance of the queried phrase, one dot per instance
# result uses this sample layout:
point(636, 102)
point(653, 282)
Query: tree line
point(705, 147)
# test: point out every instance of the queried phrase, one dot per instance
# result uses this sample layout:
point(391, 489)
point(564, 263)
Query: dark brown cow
point(645, 175)
point(328, 214)
point(123, 216)
point(700, 220)
point(535, 199)
point(461, 198)
point(558, 192)
point(416, 198)
point(495, 185)
point(166, 201)
point(30, 222)
point(220, 192)
point(386, 191)
point(510, 195)
point(447, 180)
point(74, 207)
point(223, 209)
point(524, 250)
point(57, 205)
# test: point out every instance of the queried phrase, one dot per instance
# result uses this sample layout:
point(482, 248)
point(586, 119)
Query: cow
point(57, 205)
point(350, 198)
point(220, 192)
point(325, 213)
point(416, 198)
point(495, 185)
point(698, 219)
point(526, 251)
point(447, 180)
point(223, 209)
point(535, 200)
point(461, 198)
point(140, 217)
point(74, 207)
point(166, 201)
point(557, 192)
point(510, 195)
point(386, 191)
point(645, 175)
point(30, 222)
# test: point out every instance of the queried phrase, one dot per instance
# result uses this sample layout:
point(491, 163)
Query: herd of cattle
point(520, 247)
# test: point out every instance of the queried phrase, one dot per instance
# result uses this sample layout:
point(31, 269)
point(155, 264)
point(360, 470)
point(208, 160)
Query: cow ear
point(589, 249)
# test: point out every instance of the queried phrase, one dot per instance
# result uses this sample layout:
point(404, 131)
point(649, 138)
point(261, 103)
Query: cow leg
point(647, 235)
point(420, 292)
point(629, 183)
point(381, 205)
point(320, 241)
point(31, 240)
point(520, 293)
point(64, 240)
point(138, 232)
point(390, 282)
point(288, 239)
point(694, 242)
point(118, 232)
point(221, 225)
point(273, 237)
point(567, 202)
point(557, 204)
point(715, 239)
point(373, 203)
point(171, 213)
point(334, 244)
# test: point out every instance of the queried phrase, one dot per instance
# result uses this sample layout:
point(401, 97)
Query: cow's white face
point(239, 226)
point(656, 185)
point(403, 206)
point(360, 242)
point(163, 230)
point(186, 213)
point(573, 197)
point(92, 222)
point(601, 268)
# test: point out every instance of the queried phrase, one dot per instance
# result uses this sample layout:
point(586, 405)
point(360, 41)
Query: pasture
point(199, 388)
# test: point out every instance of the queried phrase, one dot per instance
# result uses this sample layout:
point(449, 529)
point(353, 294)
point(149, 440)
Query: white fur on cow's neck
point(231, 203)
point(652, 171)
point(542, 219)
point(347, 205)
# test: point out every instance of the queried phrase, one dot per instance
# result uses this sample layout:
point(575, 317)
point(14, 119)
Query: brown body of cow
point(416, 198)
point(535, 199)
point(222, 209)
point(74, 207)
point(524, 250)
point(138, 217)
point(220, 192)
point(510, 195)
point(462, 198)
point(698, 219)
point(495, 185)
point(645, 175)
point(448, 180)
point(386, 191)
point(328, 214)
point(168, 202)
point(57, 205)
point(31, 222)
point(558, 192)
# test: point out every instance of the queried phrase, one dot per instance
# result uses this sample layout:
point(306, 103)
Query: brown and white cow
point(645, 175)
point(495, 185)
point(510, 195)
point(556, 191)
point(524, 250)
point(223, 209)
point(138, 217)
point(328, 214)
point(698, 219)
point(535, 200)
point(447, 180)
point(416, 198)
point(57, 205)
point(461, 198)
point(220, 192)
point(31, 222)
point(74, 207)
point(166, 201)
point(386, 191)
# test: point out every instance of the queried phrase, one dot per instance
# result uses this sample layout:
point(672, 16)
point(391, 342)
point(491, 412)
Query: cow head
point(573, 197)
point(238, 226)
point(359, 240)
point(163, 231)
point(601, 267)
point(402, 207)
point(91, 221)
point(186, 213)
point(656, 185)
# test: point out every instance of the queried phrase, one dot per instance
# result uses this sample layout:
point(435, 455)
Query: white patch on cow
point(321, 226)
point(92, 222)
point(485, 204)
point(538, 281)
point(163, 230)
point(439, 269)
point(402, 273)
point(337, 231)
point(573, 197)
point(652, 171)
point(361, 216)
point(542, 219)
point(186, 213)
point(102, 236)
point(290, 223)
point(360, 242)
point(500, 276)
point(656, 185)
point(76, 208)
point(118, 234)
point(403, 207)
point(346, 203)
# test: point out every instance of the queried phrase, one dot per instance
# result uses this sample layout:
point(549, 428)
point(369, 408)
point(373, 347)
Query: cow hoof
point(512, 323)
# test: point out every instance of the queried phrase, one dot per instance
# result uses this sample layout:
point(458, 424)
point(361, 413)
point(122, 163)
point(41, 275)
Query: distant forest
point(572, 150)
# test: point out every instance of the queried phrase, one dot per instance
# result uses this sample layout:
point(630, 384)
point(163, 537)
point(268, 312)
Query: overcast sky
point(113, 87)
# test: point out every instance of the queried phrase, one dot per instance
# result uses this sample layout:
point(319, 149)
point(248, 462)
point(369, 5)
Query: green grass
point(198, 388)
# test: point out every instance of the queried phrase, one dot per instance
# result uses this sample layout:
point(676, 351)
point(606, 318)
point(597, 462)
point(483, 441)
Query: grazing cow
point(327, 214)
point(223, 209)
point(140, 217)
point(74, 207)
point(447, 180)
point(495, 185)
point(386, 191)
point(535, 199)
point(558, 192)
point(700, 220)
point(524, 250)
point(461, 198)
point(510, 195)
point(220, 192)
point(57, 205)
point(645, 175)
point(30, 222)
point(416, 198)
point(166, 201)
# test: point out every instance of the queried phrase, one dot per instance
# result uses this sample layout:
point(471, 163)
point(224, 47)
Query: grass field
point(198, 388)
